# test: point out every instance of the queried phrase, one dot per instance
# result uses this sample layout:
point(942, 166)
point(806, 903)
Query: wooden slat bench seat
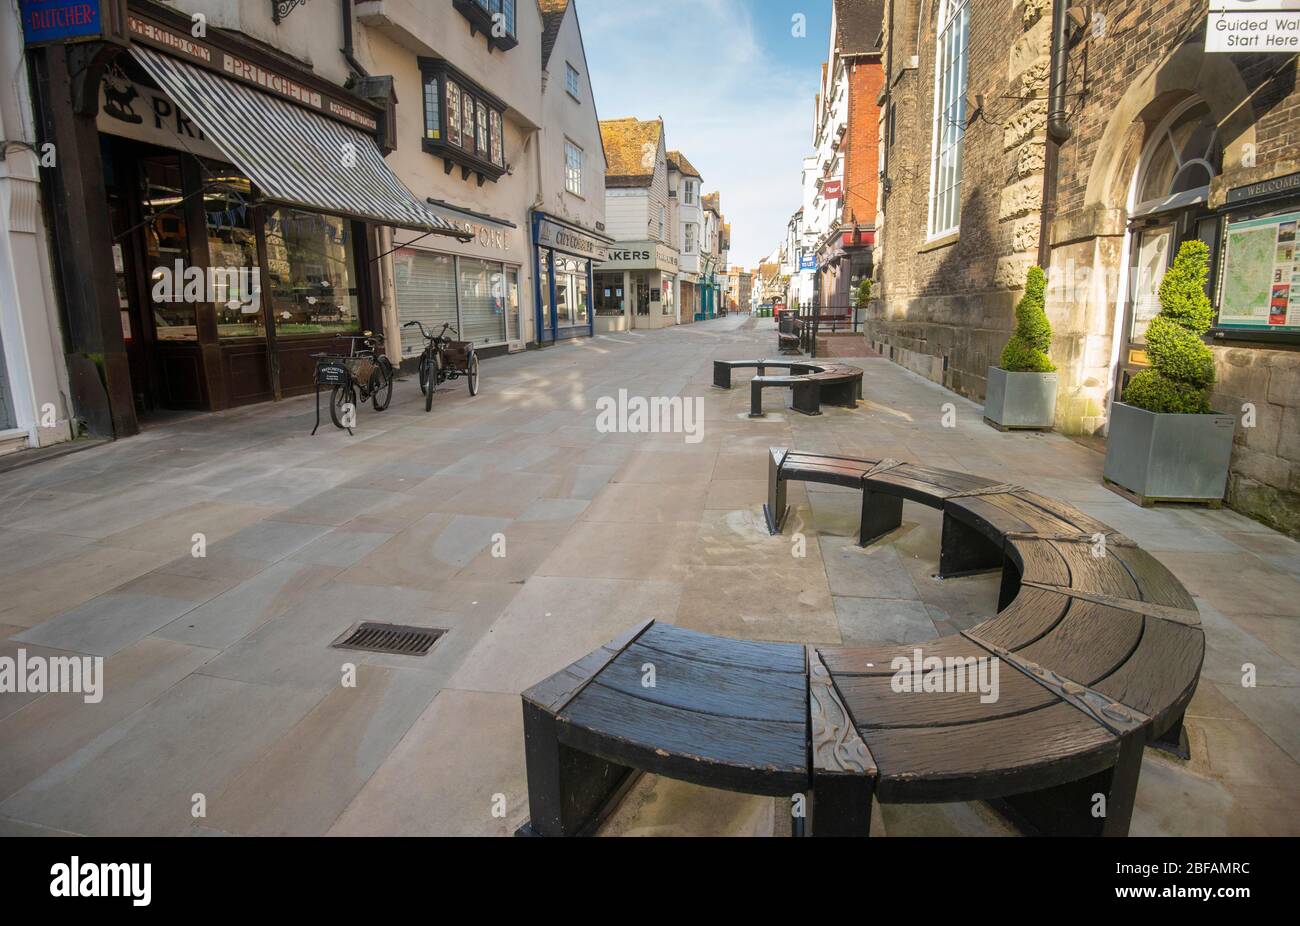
point(1094, 653)
point(812, 383)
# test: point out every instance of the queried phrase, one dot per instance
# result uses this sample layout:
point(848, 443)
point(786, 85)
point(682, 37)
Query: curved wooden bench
point(812, 383)
point(1096, 650)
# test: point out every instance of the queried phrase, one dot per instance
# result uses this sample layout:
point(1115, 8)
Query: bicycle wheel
point(424, 373)
point(381, 384)
point(343, 402)
point(473, 374)
point(433, 375)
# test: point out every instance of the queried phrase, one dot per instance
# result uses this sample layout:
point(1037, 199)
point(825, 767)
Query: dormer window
point(463, 124)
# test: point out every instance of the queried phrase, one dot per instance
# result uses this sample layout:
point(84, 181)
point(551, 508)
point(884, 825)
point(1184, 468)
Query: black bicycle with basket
point(361, 375)
point(444, 359)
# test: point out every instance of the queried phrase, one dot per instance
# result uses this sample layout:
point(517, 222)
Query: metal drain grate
point(389, 638)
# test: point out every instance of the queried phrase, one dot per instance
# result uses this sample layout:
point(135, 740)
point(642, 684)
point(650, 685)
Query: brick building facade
point(1164, 142)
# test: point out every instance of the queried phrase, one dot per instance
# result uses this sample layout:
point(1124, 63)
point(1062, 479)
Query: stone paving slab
point(220, 679)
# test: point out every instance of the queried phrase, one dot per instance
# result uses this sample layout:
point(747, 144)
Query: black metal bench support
point(569, 792)
point(964, 551)
point(807, 398)
point(841, 806)
point(775, 508)
point(1074, 808)
point(880, 514)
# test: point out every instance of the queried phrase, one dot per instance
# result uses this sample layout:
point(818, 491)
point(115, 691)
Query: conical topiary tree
point(1026, 352)
point(1182, 366)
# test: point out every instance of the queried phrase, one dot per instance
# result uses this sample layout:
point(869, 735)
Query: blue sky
point(734, 86)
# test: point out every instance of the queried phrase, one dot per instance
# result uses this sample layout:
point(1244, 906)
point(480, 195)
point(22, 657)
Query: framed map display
point(1260, 278)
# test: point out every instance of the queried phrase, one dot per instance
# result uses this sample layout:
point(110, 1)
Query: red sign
point(833, 189)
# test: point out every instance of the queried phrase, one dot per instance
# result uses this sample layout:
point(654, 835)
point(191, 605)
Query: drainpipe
point(1058, 126)
point(349, 50)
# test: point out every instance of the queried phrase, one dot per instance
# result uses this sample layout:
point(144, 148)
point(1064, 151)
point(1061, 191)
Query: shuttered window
point(426, 292)
point(482, 301)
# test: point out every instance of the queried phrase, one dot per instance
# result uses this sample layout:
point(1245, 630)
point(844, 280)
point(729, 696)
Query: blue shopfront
point(563, 257)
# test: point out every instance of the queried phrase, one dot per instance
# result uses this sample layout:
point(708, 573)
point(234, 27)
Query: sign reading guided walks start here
point(1246, 26)
point(47, 22)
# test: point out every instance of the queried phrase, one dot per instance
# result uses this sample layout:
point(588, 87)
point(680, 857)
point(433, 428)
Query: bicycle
point(444, 359)
point(363, 375)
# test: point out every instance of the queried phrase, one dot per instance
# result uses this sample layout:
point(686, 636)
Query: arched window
point(1182, 159)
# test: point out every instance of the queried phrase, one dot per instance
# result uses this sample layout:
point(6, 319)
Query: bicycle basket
point(458, 354)
point(361, 368)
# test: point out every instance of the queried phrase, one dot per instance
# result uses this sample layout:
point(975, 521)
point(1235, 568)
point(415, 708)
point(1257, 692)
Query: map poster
point(1261, 274)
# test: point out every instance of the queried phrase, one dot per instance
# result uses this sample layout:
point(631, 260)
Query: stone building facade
point(1165, 142)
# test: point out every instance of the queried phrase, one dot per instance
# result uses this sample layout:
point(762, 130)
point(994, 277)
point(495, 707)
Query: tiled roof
point(713, 201)
point(552, 16)
point(677, 161)
point(857, 26)
point(631, 149)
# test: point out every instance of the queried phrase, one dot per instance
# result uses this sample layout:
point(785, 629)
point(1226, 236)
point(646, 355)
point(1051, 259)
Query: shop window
point(512, 304)
point(609, 294)
point(310, 265)
point(571, 290)
point(167, 248)
point(949, 116)
point(232, 258)
point(462, 122)
point(572, 168)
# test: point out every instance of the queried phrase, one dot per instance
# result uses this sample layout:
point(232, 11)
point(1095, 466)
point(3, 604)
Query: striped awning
point(295, 157)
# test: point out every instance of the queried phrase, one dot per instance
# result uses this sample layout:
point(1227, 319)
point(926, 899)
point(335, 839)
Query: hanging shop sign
point(808, 262)
point(562, 237)
point(258, 74)
point(832, 189)
point(52, 22)
point(1259, 286)
point(1253, 26)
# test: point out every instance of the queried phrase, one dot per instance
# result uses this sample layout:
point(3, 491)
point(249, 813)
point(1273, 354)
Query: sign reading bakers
point(1253, 26)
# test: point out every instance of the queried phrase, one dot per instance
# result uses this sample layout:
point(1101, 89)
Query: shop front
point(649, 273)
point(843, 263)
point(475, 285)
point(223, 246)
point(688, 297)
point(568, 295)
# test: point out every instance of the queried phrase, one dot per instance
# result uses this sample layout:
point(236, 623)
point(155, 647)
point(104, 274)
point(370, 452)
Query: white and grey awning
point(295, 157)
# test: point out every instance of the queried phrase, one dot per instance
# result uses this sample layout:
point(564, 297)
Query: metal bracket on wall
point(282, 8)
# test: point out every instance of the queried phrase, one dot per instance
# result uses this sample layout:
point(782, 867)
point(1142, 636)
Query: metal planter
point(1020, 400)
point(1154, 457)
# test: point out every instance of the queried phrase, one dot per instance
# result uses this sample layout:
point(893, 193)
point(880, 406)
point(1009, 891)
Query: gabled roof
point(552, 16)
point(677, 161)
point(631, 151)
point(712, 201)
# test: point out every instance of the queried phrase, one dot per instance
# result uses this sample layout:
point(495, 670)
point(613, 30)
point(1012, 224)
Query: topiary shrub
point(864, 293)
point(1182, 367)
point(1026, 352)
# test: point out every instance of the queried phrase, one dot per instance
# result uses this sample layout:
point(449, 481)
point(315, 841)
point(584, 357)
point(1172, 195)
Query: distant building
point(686, 191)
point(644, 262)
